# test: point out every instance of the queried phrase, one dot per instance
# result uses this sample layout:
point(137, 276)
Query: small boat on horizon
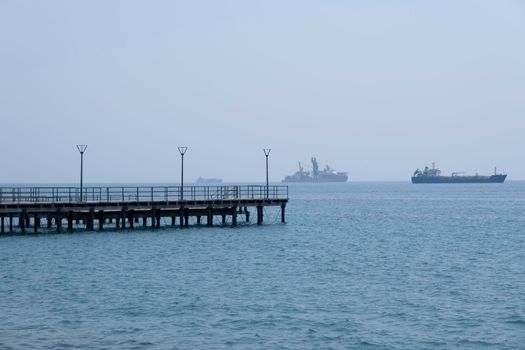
point(204, 180)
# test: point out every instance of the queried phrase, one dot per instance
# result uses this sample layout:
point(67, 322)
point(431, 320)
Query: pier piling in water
point(234, 216)
point(209, 220)
point(101, 220)
point(58, 220)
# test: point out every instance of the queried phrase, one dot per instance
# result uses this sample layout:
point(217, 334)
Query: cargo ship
point(433, 176)
point(326, 175)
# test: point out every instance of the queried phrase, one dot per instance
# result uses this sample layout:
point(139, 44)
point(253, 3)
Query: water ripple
point(358, 266)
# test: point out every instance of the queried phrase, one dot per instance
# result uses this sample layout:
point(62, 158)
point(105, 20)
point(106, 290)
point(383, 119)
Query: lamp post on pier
point(267, 153)
point(81, 149)
point(182, 151)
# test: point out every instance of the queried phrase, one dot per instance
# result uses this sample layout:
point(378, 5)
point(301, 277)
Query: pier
point(62, 209)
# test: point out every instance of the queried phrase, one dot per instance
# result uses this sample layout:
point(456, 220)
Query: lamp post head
point(267, 151)
point(81, 148)
point(182, 150)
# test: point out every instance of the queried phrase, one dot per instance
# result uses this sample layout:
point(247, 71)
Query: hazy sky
point(375, 88)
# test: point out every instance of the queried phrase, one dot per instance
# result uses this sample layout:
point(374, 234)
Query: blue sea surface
point(356, 266)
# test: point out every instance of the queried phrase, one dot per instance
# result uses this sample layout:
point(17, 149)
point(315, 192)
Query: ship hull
point(319, 179)
point(458, 179)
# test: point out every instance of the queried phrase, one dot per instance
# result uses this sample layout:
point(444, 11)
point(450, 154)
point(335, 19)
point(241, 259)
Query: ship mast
point(315, 166)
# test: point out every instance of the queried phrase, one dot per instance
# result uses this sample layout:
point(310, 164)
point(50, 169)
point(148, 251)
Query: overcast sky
point(375, 88)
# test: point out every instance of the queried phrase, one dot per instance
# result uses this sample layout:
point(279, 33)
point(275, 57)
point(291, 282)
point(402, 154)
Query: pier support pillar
point(11, 222)
point(145, 221)
point(23, 221)
point(117, 222)
point(209, 221)
point(247, 213)
point(181, 217)
point(37, 223)
point(173, 221)
point(223, 219)
point(49, 221)
point(123, 218)
point(2, 228)
point(153, 217)
point(69, 217)
point(157, 217)
point(234, 216)
point(186, 217)
point(131, 215)
point(58, 220)
point(101, 220)
point(198, 219)
point(259, 214)
point(283, 208)
point(90, 221)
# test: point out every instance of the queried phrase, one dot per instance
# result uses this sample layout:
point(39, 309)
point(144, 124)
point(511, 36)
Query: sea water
point(356, 266)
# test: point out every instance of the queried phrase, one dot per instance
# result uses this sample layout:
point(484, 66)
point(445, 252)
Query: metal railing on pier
point(139, 194)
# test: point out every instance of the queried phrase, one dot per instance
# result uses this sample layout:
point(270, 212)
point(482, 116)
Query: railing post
point(107, 194)
point(138, 199)
point(123, 194)
point(152, 194)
